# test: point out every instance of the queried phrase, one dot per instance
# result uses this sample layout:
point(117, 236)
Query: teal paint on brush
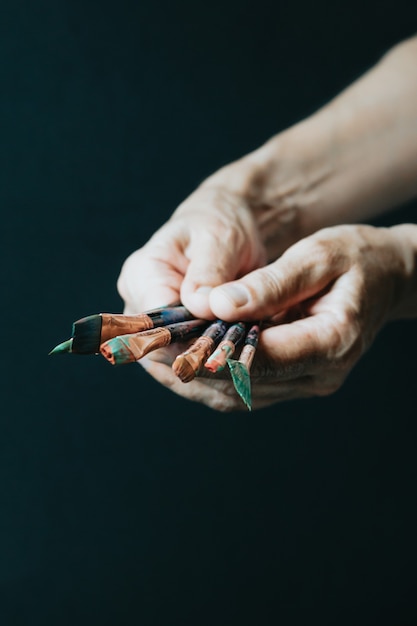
point(240, 369)
point(163, 317)
point(120, 352)
point(132, 347)
point(62, 348)
point(241, 381)
point(90, 332)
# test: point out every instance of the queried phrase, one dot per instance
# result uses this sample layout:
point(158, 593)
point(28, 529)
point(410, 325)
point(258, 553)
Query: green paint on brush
point(241, 381)
point(117, 350)
point(65, 346)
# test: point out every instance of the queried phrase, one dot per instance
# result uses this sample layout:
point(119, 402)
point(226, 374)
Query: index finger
point(147, 281)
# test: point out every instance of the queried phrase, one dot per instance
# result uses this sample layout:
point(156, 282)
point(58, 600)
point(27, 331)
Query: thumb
point(303, 271)
point(212, 263)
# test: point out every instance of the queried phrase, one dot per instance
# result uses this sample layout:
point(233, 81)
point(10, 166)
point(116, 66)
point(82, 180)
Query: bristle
point(86, 334)
point(183, 369)
point(61, 348)
point(241, 381)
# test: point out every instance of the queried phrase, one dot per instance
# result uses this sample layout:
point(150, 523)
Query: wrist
point(294, 165)
point(280, 182)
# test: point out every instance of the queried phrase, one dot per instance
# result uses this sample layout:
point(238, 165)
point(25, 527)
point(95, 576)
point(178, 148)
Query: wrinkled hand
point(325, 300)
point(211, 238)
point(330, 294)
point(243, 215)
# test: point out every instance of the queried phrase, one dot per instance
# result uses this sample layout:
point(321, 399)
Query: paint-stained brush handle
point(187, 364)
point(251, 343)
point(132, 347)
point(234, 335)
point(89, 332)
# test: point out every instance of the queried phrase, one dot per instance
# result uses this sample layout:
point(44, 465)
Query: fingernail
point(236, 293)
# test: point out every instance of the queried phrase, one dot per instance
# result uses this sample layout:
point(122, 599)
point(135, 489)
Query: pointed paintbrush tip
point(65, 346)
point(241, 381)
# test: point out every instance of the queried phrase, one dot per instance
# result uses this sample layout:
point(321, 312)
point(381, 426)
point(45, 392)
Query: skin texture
point(280, 236)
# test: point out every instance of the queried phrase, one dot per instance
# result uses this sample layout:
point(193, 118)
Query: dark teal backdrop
point(120, 503)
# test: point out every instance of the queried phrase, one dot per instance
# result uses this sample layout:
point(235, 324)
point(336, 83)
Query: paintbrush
point(240, 369)
point(132, 347)
point(187, 364)
point(234, 335)
point(88, 333)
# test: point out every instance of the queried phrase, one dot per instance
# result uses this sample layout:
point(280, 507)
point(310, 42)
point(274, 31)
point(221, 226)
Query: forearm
point(353, 159)
point(373, 131)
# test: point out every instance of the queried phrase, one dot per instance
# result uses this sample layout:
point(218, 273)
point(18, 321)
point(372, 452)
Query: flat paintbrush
point(132, 347)
point(240, 369)
point(88, 333)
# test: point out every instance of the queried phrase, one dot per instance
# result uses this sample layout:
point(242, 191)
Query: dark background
point(121, 503)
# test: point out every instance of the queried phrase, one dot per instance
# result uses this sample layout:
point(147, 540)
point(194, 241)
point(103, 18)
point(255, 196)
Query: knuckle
point(345, 339)
point(323, 251)
point(271, 285)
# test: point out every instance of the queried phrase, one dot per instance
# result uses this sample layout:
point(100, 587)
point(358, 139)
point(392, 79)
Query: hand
point(231, 225)
point(353, 159)
point(244, 215)
point(325, 298)
point(330, 294)
point(211, 238)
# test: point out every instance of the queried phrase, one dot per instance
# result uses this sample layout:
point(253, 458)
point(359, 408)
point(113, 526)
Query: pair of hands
point(259, 240)
point(324, 298)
